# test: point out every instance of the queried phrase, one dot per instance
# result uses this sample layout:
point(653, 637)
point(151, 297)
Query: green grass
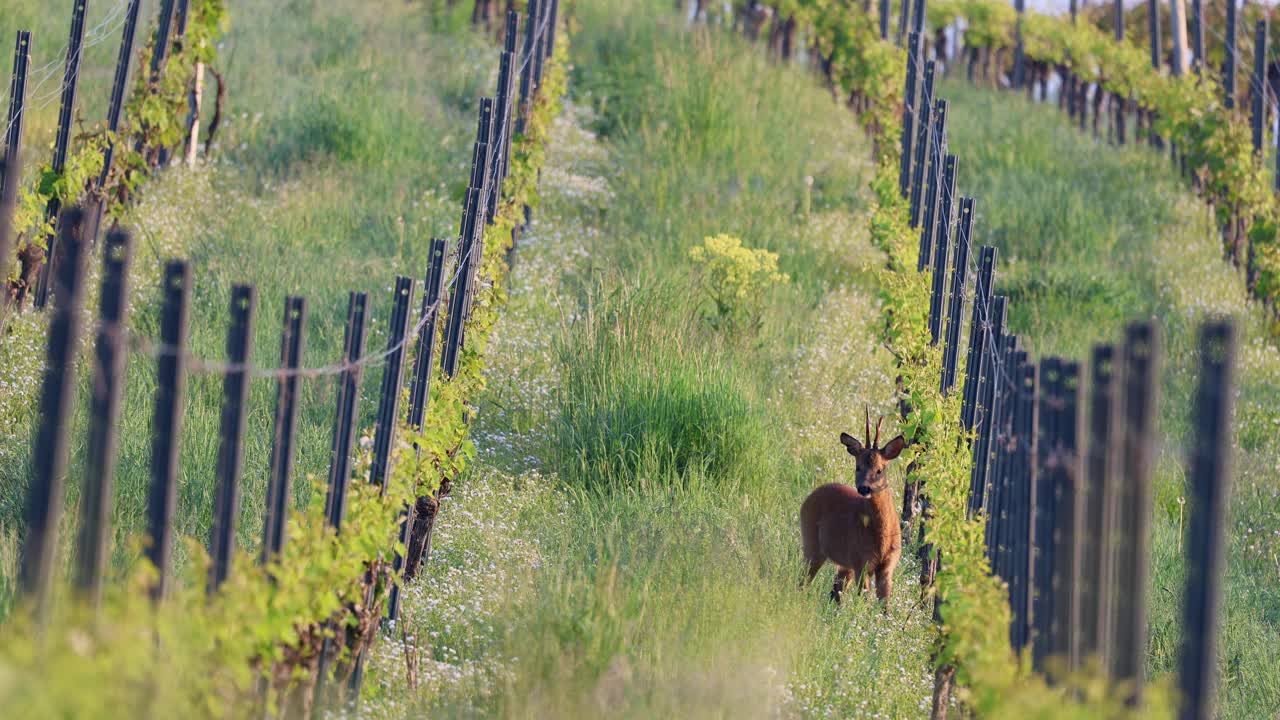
point(1090, 237)
point(637, 395)
point(337, 162)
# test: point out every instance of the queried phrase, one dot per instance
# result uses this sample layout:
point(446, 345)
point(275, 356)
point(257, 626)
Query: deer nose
point(864, 491)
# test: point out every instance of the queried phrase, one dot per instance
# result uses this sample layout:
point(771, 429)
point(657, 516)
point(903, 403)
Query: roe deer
point(856, 528)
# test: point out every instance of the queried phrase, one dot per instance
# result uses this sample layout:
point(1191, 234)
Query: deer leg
point(884, 578)
point(884, 583)
point(843, 575)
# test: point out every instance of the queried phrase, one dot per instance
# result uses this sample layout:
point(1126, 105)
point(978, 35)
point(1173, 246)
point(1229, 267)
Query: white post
point(1181, 53)
point(193, 118)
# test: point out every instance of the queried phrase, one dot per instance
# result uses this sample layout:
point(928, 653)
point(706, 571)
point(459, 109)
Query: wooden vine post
point(942, 253)
point(1178, 20)
point(418, 519)
point(1197, 35)
point(959, 284)
point(235, 402)
point(984, 415)
point(160, 48)
point(385, 429)
point(170, 398)
point(66, 111)
point(1020, 568)
point(930, 199)
point(97, 202)
point(1258, 87)
point(1105, 441)
point(110, 360)
point(1141, 386)
point(1153, 33)
point(279, 482)
point(46, 495)
point(909, 113)
point(13, 154)
point(10, 172)
point(1229, 59)
point(1210, 479)
point(923, 147)
point(340, 462)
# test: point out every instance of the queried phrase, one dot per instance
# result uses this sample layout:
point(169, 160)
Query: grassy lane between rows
point(1091, 236)
point(627, 542)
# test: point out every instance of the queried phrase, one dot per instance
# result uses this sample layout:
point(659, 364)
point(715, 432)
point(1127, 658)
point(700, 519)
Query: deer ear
point(893, 448)
point(851, 443)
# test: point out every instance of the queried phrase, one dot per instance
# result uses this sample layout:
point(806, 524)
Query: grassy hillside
point(1091, 236)
point(338, 160)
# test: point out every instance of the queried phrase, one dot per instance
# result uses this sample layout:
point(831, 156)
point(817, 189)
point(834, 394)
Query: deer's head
point(872, 459)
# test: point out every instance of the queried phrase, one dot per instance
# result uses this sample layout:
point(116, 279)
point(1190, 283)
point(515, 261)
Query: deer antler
point(867, 411)
point(878, 422)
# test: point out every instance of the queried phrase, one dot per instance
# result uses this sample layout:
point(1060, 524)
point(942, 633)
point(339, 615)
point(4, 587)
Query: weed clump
point(639, 403)
point(736, 279)
point(325, 128)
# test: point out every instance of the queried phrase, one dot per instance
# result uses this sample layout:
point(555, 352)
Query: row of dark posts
point(38, 272)
point(499, 118)
point(1063, 458)
point(66, 111)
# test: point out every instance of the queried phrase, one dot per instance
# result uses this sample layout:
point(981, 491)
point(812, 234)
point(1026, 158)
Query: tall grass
point(640, 391)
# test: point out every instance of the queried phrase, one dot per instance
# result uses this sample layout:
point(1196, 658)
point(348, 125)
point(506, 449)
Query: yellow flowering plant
point(735, 278)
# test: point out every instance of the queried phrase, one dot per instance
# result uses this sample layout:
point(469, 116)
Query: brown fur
point(855, 527)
